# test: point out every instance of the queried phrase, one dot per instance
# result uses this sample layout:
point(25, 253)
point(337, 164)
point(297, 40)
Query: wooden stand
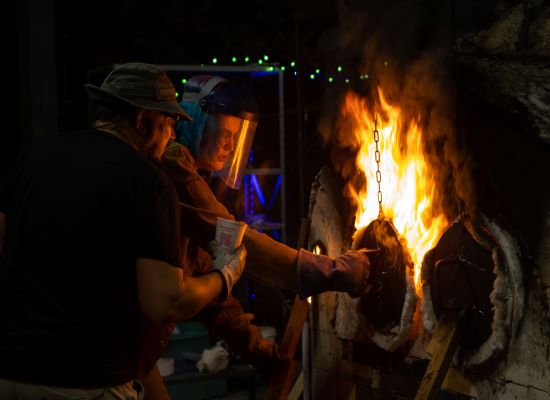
point(443, 346)
point(281, 383)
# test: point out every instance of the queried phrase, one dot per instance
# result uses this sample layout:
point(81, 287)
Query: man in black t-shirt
point(90, 247)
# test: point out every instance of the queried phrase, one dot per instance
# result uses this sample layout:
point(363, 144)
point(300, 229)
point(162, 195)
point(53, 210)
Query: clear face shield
point(235, 164)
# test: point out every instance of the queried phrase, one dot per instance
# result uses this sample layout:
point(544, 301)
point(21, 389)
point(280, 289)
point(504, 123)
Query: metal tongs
point(368, 251)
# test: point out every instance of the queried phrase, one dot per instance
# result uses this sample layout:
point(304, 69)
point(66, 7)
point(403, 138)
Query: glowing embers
point(383, 303)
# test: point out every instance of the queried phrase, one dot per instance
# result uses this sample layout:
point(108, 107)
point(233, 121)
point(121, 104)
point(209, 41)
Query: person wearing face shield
point(221, 133)
point(218, 139)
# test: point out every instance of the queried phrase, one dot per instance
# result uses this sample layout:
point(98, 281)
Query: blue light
point(256, 74)
point(254, 198)
point(249, 190)
point(253, 295)
point(275, 192)
point(258, 190)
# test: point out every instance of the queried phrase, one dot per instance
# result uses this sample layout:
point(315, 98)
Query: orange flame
point(407, 184)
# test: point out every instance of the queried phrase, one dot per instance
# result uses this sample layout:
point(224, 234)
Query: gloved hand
point(229, 265)
point(345, 273)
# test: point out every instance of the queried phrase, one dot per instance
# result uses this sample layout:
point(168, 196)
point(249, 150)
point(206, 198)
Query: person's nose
point(230, 145)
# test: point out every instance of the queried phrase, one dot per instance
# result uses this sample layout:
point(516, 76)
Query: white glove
point(229, 265)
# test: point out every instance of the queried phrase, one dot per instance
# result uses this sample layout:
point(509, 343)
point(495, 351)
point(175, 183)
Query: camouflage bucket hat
point(140, 85)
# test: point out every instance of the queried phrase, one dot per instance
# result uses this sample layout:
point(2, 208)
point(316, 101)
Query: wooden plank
point(455, 381)
point(297, 389)
point(444, 343)
point(293, 330)
point(280, 384)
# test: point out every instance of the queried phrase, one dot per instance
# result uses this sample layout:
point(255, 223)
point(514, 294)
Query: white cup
point(230, 233)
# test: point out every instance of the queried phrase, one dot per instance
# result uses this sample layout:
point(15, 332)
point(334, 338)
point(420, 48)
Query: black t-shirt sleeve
point(6, 188)
point(3, 195)
point(160, 231)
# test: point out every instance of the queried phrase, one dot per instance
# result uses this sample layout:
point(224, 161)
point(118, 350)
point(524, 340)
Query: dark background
point(60, 45)
point(53, 47)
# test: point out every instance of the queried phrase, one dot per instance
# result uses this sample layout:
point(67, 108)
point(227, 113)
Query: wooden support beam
point(444, 343)
point(293, 330)
point(281, 383)
point(297, 388)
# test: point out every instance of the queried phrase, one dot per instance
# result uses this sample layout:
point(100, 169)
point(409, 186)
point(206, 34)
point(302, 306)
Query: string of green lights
point(313, 73)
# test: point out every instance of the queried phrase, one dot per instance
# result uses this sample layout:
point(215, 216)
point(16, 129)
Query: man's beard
point(152, 148)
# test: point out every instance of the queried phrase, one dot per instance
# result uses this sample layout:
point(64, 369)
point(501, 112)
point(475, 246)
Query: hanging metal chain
point(378, 173)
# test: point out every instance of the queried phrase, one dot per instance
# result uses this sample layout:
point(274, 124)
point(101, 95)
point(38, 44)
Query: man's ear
point(138, 124)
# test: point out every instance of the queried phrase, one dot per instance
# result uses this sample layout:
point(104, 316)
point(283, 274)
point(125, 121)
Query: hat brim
point(96, 93)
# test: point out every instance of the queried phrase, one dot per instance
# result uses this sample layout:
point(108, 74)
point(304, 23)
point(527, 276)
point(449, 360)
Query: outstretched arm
point(269, 262)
